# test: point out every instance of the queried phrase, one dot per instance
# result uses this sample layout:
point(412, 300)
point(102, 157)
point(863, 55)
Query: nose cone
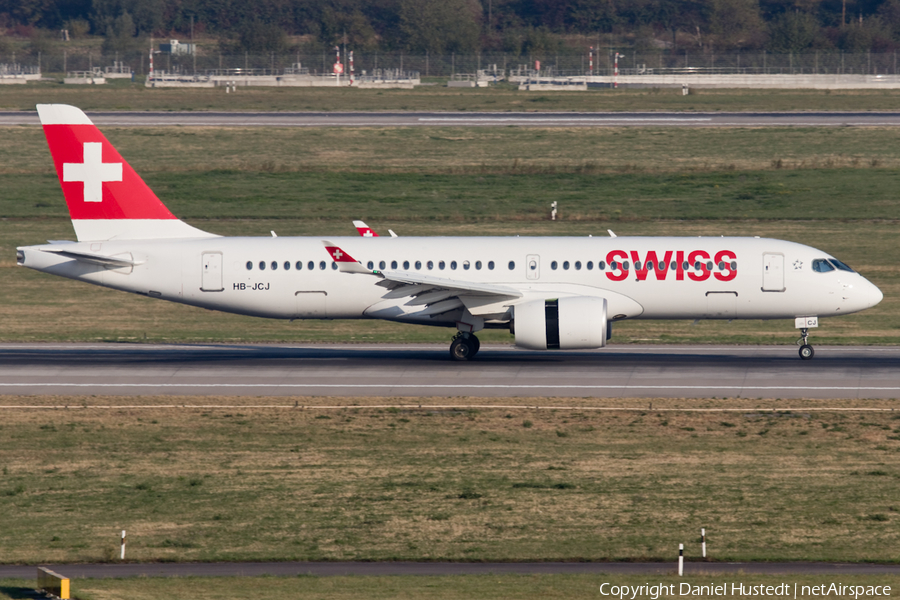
point(864, 294)
point(873, 294)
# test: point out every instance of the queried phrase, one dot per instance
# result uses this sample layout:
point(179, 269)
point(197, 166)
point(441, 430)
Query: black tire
point(476, 344)
point(461, 349)
point(807, 352)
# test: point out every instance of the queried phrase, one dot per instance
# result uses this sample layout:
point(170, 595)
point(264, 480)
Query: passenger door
point(773, 272)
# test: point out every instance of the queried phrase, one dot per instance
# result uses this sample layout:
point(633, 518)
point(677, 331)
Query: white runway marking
point(389, 386)
point(563, 119)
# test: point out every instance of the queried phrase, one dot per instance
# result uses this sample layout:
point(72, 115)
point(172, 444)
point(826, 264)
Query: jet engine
point(570, 323)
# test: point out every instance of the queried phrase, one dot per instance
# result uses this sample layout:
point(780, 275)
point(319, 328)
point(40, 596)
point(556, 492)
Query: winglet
point(364, 230)
point(345, 262)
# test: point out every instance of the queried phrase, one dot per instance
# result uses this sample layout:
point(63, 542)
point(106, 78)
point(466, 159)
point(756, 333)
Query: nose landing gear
point(806, 351)
point(464, 346)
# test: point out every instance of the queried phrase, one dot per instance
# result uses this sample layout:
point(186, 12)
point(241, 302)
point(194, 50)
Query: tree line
point(516, 27)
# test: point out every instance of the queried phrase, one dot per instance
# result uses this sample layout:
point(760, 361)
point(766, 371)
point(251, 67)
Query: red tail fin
point(106, 198)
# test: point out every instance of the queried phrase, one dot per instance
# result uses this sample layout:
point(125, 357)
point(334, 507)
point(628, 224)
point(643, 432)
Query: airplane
point(549, 292)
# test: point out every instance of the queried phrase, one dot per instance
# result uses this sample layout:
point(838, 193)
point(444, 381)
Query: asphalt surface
point(448, 119)
point(326, 569)
point(378, 370)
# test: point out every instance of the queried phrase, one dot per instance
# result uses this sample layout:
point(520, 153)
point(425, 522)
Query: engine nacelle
point(570, 323)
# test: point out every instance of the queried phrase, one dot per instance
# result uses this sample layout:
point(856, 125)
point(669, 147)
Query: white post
point(553, 211)
point(122, 553)
point(703, 541)
point(680, 560)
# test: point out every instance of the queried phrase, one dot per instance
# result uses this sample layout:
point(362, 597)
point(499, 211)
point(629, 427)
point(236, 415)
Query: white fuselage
point(750, 278)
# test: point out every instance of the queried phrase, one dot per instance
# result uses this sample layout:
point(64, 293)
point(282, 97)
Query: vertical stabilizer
point(106, 198)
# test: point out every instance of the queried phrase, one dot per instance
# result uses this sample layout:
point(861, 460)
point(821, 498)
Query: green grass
point(123, 95)
point(836, 190)
point(245, 483)
point(462, 587)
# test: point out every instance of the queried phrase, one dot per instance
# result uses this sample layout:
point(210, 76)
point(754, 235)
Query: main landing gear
point(464, 346)
point(806, 351)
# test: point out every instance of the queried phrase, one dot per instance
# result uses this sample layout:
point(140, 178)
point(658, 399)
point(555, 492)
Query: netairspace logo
point(782, 590)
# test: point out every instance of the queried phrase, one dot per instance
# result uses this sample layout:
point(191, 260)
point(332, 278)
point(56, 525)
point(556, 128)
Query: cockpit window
point(820, 265)
point(840, 265)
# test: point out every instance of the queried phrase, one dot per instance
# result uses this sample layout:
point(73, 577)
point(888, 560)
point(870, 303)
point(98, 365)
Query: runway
point(447, 119)
point(331, 569)
point(392, 370)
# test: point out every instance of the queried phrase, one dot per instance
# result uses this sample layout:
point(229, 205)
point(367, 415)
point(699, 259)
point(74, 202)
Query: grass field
point(488, 587)
point(123, 95)
point(356, 483)
point(831, 188)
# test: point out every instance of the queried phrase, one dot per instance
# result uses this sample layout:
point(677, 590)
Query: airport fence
point(629, 63)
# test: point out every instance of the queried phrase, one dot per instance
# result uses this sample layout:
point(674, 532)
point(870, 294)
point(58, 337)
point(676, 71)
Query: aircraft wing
point(435, 294)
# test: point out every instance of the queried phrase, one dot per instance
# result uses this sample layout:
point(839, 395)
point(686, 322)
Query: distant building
point(175, 47)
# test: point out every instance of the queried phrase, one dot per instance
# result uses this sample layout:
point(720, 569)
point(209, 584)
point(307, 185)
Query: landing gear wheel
point(806, 351)
point(476, 344)
point(461, 349)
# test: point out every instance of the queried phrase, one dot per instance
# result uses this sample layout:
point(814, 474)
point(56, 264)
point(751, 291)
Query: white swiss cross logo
point(368, 233)
point(93, 172)
point(337, 254)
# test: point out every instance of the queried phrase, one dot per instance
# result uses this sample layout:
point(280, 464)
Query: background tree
point(440, 26)
point(793, 32)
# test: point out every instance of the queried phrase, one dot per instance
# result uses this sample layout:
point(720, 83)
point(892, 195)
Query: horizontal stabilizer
point(94, 259)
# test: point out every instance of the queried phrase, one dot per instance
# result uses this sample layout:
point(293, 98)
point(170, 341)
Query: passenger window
point(453, 265)
point(334, 266)
point(566, 265)
point(393, 264)
point(721, 266)
point(371, 265)
point(322, 265)
point(662, 266)
point(490, 265)
point(299, 265)
point(274, 266)
point(697, 266)
point(684, 266)
point(262, 265)
point(613, 265)
point(478, 265)
point(626, 266)
point(601, 266)
point(381, 265)
point(734, 265)
point(418, 265)
point(650, 266)
point(287, 265)
point(430, 265)
point(820, 265)
point(466, 265)
point(512, 265)
point(577, 265)
point(249, 265)
point(553, 265)
point(637, 265)
point(674, 265)
point(441, 265)
point(590, 265)
point(405, 265)
point(310, 265)
point(709, 265)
